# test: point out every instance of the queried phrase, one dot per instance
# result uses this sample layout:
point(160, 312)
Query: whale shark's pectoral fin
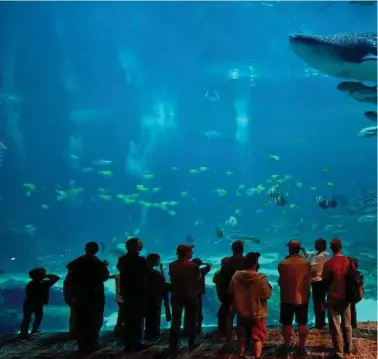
point(370, 57)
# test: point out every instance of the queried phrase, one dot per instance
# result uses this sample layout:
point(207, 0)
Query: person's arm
point(119, 265)
point(105, 272)
point(231, 287)
point(206, 269)
point(51, 279)
point(216, 277)
point(279, 274)
point(319, 262)
point(266, 289)
point(307, 254)
point(326, 277)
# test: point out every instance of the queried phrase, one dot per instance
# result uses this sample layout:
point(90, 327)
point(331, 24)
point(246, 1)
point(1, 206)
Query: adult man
point(185, 290)
point(318, 260)
point(334, 277)
point(133, 269)
point(229, 266)
point(251, 290)
point(294, 281)
point(88, 274)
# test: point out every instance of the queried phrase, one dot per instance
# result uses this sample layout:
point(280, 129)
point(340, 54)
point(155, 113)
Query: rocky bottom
point(60, 346)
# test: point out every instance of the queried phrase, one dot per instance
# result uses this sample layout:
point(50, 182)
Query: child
point(37, 295)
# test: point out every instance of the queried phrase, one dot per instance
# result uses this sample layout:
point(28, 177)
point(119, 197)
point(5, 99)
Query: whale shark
point(347, 56)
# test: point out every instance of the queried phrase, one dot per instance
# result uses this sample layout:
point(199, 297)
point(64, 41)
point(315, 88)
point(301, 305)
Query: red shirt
point(335, 271)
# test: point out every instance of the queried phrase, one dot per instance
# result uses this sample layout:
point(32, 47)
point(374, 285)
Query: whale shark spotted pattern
point(349, 56)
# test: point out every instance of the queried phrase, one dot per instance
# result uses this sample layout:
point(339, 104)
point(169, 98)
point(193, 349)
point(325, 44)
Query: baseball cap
point(294, 243)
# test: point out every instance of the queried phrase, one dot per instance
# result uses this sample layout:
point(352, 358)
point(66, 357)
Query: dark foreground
point(59, 346)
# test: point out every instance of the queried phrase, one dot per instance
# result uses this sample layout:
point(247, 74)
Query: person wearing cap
point(318, 259)
point(185, 276)
point(294, 281)
point(133, 271)
point(229, 265)
point(334, 277)
point(251, 291)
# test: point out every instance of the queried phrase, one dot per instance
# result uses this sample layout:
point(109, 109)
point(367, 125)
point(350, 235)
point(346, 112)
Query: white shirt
point(317, 264)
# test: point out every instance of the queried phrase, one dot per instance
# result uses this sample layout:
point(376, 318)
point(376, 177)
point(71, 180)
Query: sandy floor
point(58, 346)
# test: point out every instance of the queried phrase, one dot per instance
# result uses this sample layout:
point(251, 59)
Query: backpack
point(354, 283)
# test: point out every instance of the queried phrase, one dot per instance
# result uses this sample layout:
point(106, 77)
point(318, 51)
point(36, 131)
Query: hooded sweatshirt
point(250, 290)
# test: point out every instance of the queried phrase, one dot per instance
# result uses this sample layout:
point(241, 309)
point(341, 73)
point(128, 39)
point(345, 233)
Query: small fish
point(101, 162)
point(212, 134)
point(30, 229)
point(274, 157)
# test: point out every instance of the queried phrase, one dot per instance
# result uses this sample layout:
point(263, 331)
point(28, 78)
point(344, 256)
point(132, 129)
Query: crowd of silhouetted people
point(242, 290)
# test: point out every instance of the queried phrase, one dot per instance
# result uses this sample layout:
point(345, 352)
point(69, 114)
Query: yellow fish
point(221, 192)
point(106, 173)
point(203, 169)
point(148, 176)
point(141, 188)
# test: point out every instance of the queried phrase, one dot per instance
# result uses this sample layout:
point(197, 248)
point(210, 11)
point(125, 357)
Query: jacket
point(294, 280)
point(88, 274)
point(250, 291)
point(185, 276)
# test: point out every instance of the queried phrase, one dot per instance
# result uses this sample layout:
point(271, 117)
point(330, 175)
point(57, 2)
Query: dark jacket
point(185, 279)
point(38, 291)
point(88, 274)
point(229, 266)
point(156, 287)
point(133, 270)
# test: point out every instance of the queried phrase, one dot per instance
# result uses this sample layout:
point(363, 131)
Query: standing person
point(334, 277)
point(133, 270)
point(118, 329)
point(157, 290)
point(294, 281)
point(229, 266)
point(185, 290)
point(37, 296)
point(318, 260)
point(202, 285)
point(251, 291)
point(353, 311)
point(71, 302)
point(88, 274)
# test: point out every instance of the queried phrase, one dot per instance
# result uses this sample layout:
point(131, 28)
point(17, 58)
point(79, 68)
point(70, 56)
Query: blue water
point(126, 83)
